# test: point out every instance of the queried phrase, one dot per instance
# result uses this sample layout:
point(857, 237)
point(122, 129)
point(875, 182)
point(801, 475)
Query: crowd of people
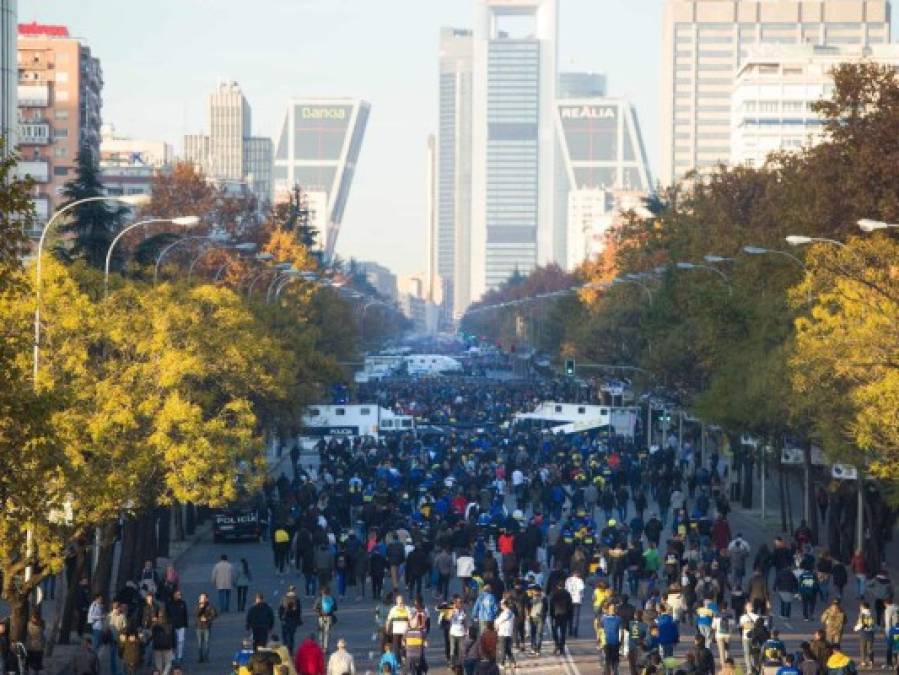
point(488, 539)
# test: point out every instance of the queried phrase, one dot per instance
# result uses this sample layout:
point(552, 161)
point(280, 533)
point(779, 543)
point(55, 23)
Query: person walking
point(223, 578)
point(865, 627)
point(118, 624)
point(130, 645)
point(260, 621)
point(326, 611)
point(574, 584)
point(560, 610)
point(281, 548)
point(341, 661)
point(309, 659)
point(290, 616)
point(611, 627)
point(35, 642)
point(505, 625)
point(85, 661)
point(485, 608)
point(96, 620)
point(161, 635)
point(204, 616)
point(834, 621)
point(242, 579)
point(177, 611)
point(397, 623)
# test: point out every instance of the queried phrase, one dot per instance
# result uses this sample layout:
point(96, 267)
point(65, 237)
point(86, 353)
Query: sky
point(161, 59)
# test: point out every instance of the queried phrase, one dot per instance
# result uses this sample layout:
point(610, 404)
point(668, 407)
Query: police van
point(572, 418)
point(334, 421)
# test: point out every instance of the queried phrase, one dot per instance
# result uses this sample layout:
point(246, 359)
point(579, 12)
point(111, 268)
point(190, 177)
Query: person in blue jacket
point(669, 635)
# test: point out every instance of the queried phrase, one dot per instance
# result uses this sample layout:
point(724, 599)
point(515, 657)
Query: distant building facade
point(59, 104)
point(513, 140)
point(383, 280)
point(128, 165)
point(9, 76)
point(775, 89)
point(317, 149)
point(602, 163)
point(229, 154)
point(706, 42)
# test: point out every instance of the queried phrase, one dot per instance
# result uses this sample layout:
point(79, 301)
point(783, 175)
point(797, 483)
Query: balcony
point(34, 133)
point(33, 95)
point(39, 170)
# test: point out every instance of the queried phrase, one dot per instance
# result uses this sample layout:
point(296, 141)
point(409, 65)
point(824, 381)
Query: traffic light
point(569, 367)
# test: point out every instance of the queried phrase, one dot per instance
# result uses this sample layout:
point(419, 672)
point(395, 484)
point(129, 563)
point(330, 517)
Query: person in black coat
point(260, 621)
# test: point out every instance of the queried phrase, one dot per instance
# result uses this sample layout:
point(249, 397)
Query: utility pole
point(860, 516)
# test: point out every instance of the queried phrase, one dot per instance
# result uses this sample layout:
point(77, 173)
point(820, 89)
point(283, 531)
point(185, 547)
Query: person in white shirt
point(504, 625)
point(464, 570)
point(747, 621)
point(96, 619)
point(575, 587)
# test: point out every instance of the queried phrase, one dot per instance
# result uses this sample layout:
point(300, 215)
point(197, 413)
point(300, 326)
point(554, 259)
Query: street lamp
point(629, 279)
point(801, 240)
point(758, 250)
point(259, 257)
point(277, 279)
point(697, 266)
point(278, 267)
point(242, 247)
point(215, 237)
point(184, 221)
point(128, 200)
point(709, 258)
point(868, 225)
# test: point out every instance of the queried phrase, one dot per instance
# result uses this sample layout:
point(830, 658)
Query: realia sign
point(593, 112)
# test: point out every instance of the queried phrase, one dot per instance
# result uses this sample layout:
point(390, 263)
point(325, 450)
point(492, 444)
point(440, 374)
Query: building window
point(60, 114)
point(769, 106)
point(61, 132)
point(59, 151)
point(60, 171)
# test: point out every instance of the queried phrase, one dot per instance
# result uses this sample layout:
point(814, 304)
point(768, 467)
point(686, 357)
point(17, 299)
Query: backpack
point(724, 626)
point(807, 582)
point(759, 634)
point(327, 605)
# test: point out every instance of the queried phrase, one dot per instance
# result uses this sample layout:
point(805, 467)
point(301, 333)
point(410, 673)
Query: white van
point(327, 421)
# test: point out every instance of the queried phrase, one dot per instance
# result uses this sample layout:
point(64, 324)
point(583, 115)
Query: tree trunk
point(68, 612)
point(18, 615)
point(178, 510)
point(811, 504)
point(163, 523)
point(746, 491)
point(105, 556)
point(62, 590)
point(128, 559)
point(783, 497)
point(190, 519)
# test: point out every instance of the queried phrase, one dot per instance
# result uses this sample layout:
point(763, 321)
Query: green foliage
point(92, 225)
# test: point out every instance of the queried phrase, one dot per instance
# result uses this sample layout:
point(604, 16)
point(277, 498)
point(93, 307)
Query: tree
point(94, 224)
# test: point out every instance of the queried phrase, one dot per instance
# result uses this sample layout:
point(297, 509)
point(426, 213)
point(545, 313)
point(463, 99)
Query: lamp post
point(276, 269)
point(184, 221)
point(242, 247)
point(697, 266)
point(128, 200)
point(178, 242)
point(631, 279)
point(869, 225)
point(758, 250)
point(259, 257)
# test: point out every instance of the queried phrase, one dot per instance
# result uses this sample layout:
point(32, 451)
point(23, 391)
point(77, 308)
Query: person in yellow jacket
point(281, 547)
point(601, 594)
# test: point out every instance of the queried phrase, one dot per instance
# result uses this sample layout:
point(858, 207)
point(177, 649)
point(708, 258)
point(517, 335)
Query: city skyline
point(171, 99)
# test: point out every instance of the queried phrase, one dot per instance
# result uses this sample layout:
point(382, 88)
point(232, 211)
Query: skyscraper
point(451, 241)
point(317, 150)
point(230, 154)
point(603, 165)
point(513, 139)
point(58, 108)
point(705, 42)
point(8, 74)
